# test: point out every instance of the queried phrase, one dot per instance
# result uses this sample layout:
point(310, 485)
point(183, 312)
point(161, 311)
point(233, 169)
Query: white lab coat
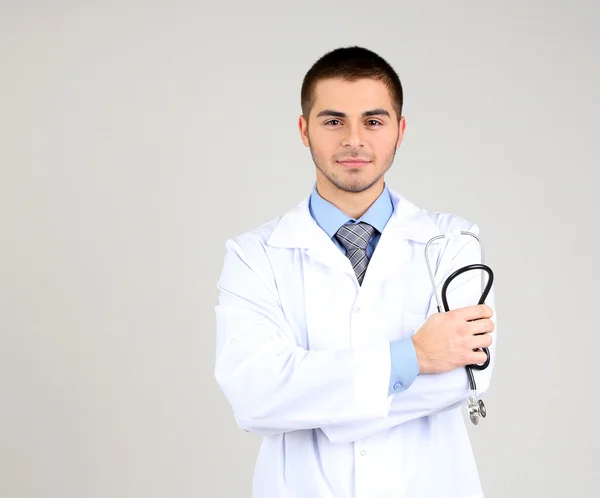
point(303, 358)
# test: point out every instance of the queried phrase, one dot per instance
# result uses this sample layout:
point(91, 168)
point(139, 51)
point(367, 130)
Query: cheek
point(323, 148)
point(383, 145)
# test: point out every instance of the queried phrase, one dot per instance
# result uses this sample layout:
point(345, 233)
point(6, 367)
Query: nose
point(352, 137)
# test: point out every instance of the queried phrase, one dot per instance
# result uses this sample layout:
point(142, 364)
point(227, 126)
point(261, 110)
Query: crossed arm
point(275, 386)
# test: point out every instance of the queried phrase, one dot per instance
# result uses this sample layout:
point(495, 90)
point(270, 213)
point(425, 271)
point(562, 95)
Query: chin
point(354, 186)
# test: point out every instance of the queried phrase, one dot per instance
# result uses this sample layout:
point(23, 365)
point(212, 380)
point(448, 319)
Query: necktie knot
point(355, 236)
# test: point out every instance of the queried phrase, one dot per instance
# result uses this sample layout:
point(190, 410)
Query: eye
point(374, 122)
point(331, 121)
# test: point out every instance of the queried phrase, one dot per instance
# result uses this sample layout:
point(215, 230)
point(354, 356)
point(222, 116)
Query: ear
point(401, 129)
point(303, 127)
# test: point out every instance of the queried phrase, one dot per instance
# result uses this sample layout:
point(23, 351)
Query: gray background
point(135, 138)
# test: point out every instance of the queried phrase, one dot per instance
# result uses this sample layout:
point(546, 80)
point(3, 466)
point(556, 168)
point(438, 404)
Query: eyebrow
point(337, 114)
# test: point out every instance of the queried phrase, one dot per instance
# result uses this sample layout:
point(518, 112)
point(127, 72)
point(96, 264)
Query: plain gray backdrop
point(136, 137)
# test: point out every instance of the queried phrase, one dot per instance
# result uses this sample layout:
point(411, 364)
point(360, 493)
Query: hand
point(446, 340)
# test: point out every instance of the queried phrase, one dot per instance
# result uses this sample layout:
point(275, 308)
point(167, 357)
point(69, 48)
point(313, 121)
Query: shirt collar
point(330, 218)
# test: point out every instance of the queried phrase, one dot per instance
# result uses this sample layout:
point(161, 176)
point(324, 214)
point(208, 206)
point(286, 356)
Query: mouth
point(354, 163)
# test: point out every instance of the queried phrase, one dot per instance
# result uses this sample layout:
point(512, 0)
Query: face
point(353, 134)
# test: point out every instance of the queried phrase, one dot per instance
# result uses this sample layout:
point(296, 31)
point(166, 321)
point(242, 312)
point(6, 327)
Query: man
point(329, 344)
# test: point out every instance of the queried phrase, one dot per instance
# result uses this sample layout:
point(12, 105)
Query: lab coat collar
point(330, 218)
point(298, 229)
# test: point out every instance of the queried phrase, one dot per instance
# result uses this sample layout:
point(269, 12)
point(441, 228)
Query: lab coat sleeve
point(272, 384)
point(433, 393)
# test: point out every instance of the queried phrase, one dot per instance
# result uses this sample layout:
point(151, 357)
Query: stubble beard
point(351, 185)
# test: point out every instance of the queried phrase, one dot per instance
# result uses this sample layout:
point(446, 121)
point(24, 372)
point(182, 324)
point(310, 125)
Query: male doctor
point(329, 343)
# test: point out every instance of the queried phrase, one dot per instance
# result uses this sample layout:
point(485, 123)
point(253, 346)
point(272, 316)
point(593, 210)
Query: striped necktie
point(355, 238)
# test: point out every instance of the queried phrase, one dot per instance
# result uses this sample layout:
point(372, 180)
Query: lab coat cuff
point(372, 372)
point(404, 365)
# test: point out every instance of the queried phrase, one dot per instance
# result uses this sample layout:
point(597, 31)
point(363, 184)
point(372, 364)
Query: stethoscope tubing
point(484, 295)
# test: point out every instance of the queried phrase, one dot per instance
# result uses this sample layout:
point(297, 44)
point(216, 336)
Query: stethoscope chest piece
point(476, 409)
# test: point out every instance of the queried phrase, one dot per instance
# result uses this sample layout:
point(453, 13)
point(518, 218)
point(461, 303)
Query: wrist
point(421, 356)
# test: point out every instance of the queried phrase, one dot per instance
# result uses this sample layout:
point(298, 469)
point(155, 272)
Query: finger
point(481, 341)
point(475, 312)
point(477, 357)
point(482, 326)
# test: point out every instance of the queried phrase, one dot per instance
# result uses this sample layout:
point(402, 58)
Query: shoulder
point(284, 231)
point(451, 222)
point(440, 222)
point(253, 241)
point(247, 265)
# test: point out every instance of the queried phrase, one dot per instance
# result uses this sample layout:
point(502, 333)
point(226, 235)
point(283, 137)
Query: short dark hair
point(351, 64)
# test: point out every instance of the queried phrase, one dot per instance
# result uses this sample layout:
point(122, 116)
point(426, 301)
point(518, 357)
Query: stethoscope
point(475, 407)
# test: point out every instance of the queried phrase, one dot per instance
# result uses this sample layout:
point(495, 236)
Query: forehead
point(351, 97)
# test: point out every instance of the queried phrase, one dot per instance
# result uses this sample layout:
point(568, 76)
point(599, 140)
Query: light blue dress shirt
point(404, 363)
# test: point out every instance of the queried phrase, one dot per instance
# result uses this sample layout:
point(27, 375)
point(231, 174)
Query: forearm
point(429, 394)
point(276, 386)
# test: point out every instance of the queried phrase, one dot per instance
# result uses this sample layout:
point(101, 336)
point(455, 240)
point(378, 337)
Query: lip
point(354, 162)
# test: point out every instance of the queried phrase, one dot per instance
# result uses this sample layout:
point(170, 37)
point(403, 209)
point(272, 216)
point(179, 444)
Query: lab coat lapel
point(392, 252)
point(297, 229)
point(408, 224)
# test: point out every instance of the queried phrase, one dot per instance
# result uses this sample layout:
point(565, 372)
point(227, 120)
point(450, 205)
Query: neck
point(353, 204)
